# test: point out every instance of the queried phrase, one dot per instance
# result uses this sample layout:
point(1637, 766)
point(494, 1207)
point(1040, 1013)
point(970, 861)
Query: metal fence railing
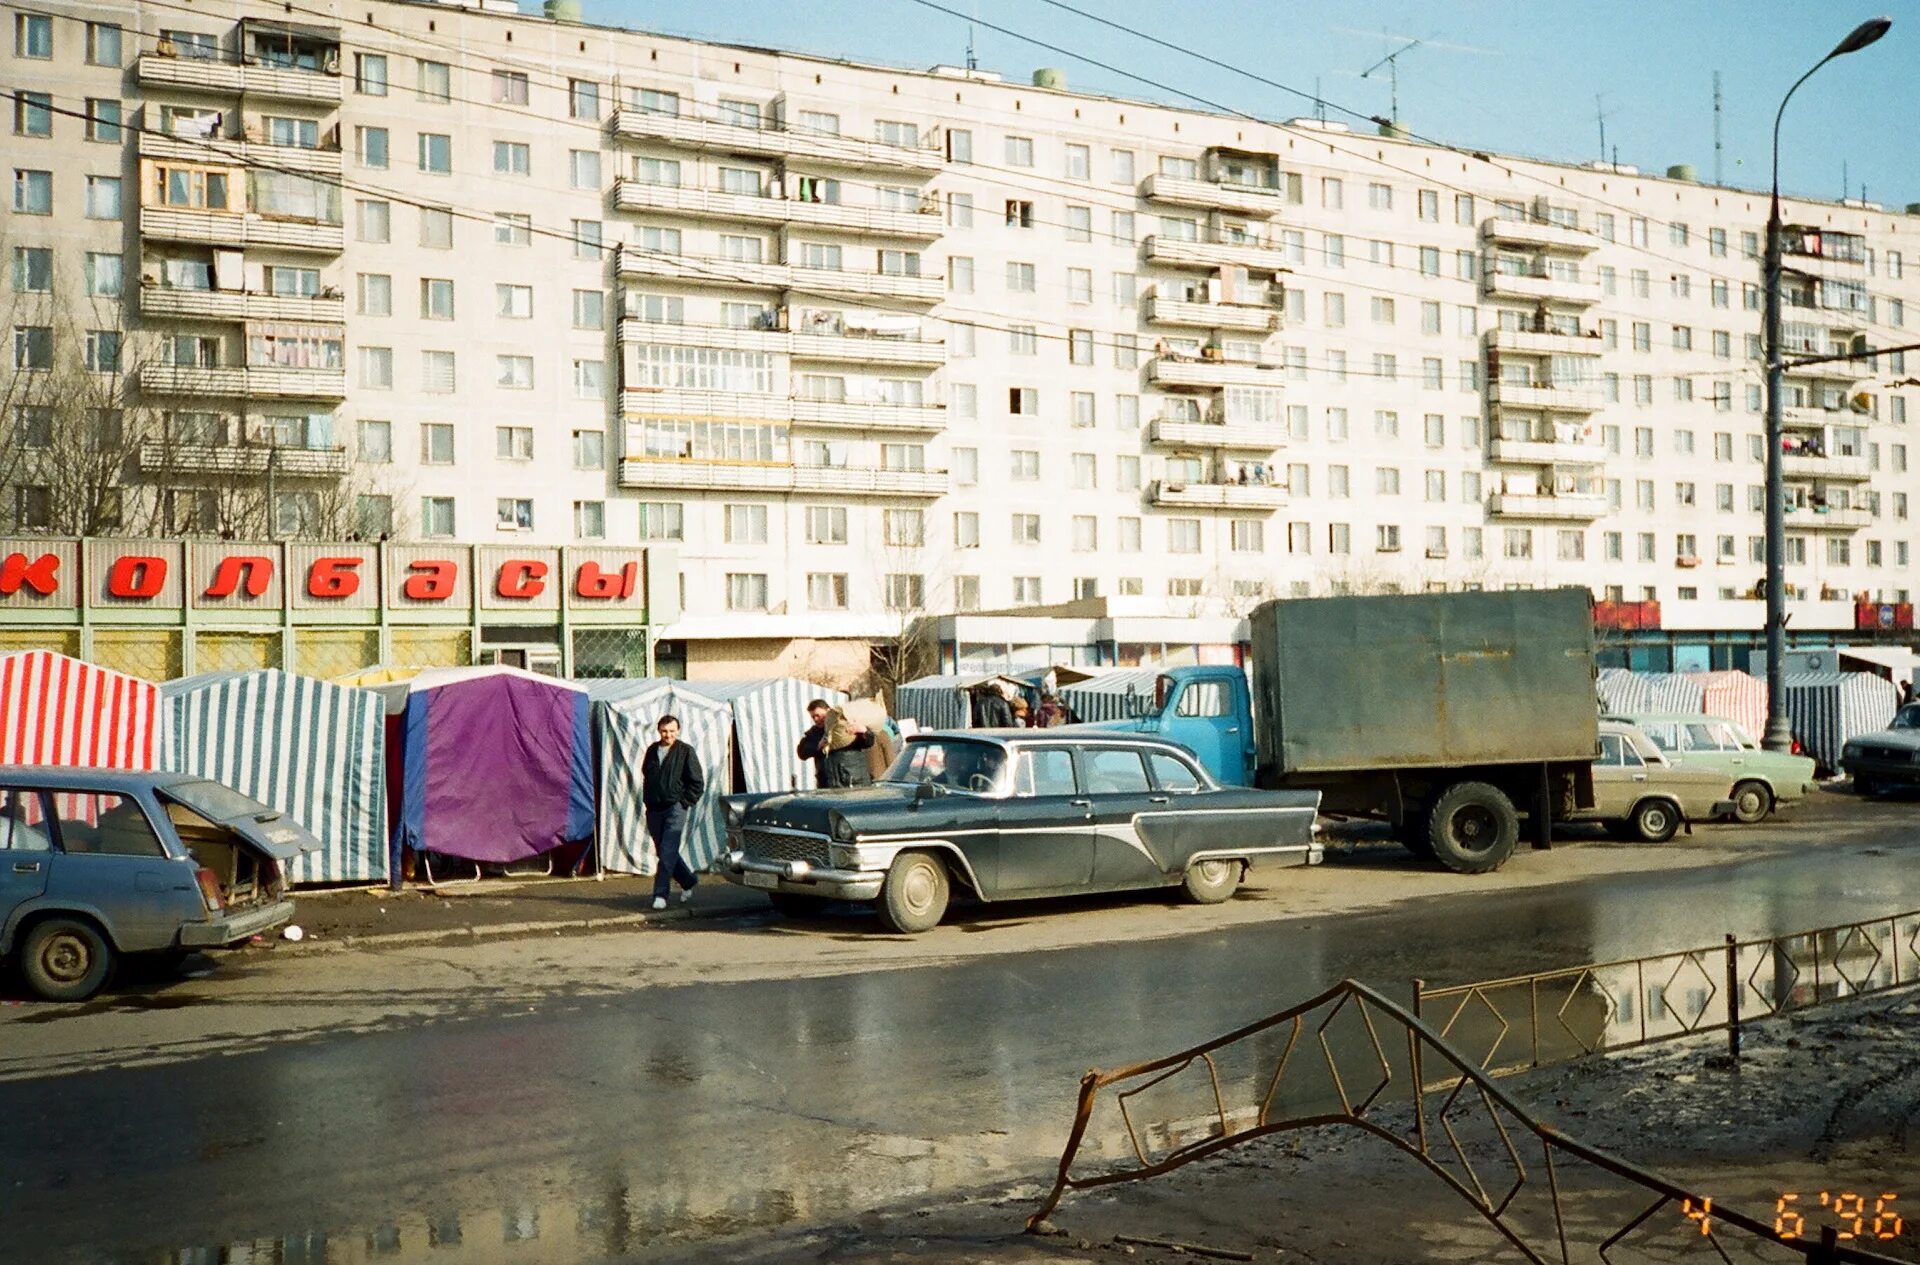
point(1528, 1021)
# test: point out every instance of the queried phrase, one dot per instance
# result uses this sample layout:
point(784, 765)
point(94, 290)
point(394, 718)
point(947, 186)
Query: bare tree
point(908, 650)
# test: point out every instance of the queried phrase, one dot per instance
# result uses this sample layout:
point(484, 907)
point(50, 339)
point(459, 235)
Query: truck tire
point(1212, 881)
point(1752, 801)
point(914, 897)
point(65, 959)
point(1655, 820)
point(1472, 828)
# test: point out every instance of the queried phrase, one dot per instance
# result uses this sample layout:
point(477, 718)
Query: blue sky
point(1512, 75)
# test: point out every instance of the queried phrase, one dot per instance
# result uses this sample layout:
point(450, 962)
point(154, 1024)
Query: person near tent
point(671, 783)
point(991, 709)
point(847, 742)
point(813, 743)
point(1021, 720)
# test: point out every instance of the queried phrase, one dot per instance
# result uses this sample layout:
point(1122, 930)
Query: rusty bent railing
point(1528, 1021)
point(1353, 1057)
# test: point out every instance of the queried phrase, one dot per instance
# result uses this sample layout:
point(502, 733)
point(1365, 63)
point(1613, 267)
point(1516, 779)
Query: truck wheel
point(1472, 828)
point(1752, 801)
point(1655, 820)
point(914, 897)
point(1412, 833)
point(64, 959)
point(1212, 881)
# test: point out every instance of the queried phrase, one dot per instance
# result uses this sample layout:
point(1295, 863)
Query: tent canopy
point(312, 749)
point(1112, 695)
point(626, 715)
point(1738, 696)
point(496, 764)
point(940, 702)
point(1637, 693)
point(59, 710)
point(769, 715)
point(1827, 708)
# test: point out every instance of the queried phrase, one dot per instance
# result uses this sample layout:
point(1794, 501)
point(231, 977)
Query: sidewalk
point(361, 917)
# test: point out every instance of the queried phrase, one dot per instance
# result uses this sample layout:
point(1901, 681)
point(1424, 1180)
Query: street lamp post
point(1779, 736)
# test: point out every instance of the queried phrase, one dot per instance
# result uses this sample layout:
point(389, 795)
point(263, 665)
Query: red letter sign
point(333, 577)
point(258, 571)
point(594, 583)
point(41, 575)
point(522, 578)
point(430, 581)
point(137, 576)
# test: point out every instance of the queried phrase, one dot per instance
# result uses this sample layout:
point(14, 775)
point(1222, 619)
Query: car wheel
point(1473, 828)
point(788, 905)
point(1752, 801)
point(1655, 820)
point(1211, 881)
point(64, 959)
point(914, 897)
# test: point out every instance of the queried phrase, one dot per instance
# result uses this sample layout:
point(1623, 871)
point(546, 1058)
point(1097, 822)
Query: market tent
point(379, 674)
point(768, 718)
point(496, 765)
point(940, 702)
point(314, 750)
point(1827, 708)
point(57, 710)
point(1739, 696)
point(1117, 695)
point(1629, 693)
point(626, 715)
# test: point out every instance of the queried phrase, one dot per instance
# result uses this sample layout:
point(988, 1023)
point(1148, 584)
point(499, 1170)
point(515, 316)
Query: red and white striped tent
point(56, 710)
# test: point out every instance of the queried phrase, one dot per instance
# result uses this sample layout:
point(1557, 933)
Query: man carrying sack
point(847, 742)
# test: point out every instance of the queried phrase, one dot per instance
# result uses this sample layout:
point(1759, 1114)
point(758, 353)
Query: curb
point(500, 931)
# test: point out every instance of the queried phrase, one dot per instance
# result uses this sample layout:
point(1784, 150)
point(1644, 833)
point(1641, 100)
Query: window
point(1247, 535)
point(513, 513)
point(1024, 465)
point(436, 153)
point(586, 239)
point(370, 74)
point(1019, 151)
point(436, 299)
point(32, 269)
point(103, 197)
point(370, 147)
point(436, 81)
point(1020, 278)
point(373, 221)
point(589, 379)
point(1025, 529)
point(103, 350)
point(32, 114)
point(375, 442)
point(103, 119)
point(436, 516)
point(1080, 346)
point(33, 192)
point(513, 443)
point(103, 275)
point(33, 36)
point(512, 158)
point(436, 228)
point(512, 372)
point(1122, 166)
point(1079, 224)
point(1023, 401)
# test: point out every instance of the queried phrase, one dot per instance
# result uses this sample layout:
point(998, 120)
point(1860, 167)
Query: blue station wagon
point(96, 863)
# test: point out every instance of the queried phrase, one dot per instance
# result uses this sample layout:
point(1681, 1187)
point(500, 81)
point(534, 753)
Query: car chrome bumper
point(1887, 771)
point(801, 878)
point(232, 928)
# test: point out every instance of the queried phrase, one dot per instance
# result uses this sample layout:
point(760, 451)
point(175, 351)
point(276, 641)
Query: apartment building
point(868, 343)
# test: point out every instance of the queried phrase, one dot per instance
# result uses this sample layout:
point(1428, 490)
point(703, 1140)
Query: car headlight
point(839, 828)
point(735, 815)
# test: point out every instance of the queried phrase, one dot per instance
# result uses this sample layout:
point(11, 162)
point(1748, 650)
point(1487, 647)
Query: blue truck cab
point(1209, 711)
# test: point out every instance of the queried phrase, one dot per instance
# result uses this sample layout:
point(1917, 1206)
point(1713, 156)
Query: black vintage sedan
point(1010, 814)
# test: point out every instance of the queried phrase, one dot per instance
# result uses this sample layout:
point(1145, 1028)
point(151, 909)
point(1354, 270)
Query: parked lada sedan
point(1640, 794)
point(1887, 759)
point(1010, 814)
point(1761, 779)
point(95, 863)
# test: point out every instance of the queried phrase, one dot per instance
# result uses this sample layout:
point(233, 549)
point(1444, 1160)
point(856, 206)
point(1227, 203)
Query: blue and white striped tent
point(626, 714)
point(314, 750)
point(769, 716)
point(940, 702)
point(1117, 695)
point(1827, 708)
point(1629, 693)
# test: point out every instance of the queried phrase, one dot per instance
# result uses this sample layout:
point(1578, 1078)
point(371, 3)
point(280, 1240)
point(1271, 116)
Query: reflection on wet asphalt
point(672, 1115)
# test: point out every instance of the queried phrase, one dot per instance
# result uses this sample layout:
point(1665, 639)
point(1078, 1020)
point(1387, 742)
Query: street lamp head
point(1864, 34)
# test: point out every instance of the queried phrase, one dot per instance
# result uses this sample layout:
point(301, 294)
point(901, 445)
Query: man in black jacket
point(844, 765)
point(671, 783)
point(813, 743)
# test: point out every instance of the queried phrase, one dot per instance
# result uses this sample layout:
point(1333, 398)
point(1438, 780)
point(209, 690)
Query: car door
point(26, 847)
point(1208, 717)
point(1046, 828)
point(1117, 782)
point(110, 858)
point(1618, 776)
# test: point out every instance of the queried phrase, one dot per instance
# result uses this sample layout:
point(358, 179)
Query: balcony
point(1544, 397)
point(1801, 465)
point(1526, 342)
point(227, 78)
point(734, 274)
point(1256, 318)
point(866, 349)
point(250, 381)
point(1217, 496)
point(1212, 375)
point(1539, 287)
point(157, 456)
point(1178, 252)
point(1807, 518)
point(1548, 452)
point(323, 161)
point(1237, 436)
point(740, 476)
point(659, 199)
point(1212, 195)
point(772, 142)
point(835, 414)
point(1538, 235)
point(234, 305)
point(1562, 506)
point(223, 228)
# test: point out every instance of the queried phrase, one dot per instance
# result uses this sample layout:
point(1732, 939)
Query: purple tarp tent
point(496, 764)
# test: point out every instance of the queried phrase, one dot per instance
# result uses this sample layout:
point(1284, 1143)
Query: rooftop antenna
point(1392, 62)
point(1319, 102)
point(1601, 115)
point(973, 62)
point(1716, 129)
point(1846, 184)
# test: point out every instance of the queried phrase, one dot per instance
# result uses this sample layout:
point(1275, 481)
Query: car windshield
point(956, 764)
point(1907, 717)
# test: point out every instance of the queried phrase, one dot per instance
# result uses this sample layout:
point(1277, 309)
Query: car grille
point(768, 845)
point(1871, 751)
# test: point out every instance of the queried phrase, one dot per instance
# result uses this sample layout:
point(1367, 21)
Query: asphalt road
point(664, 1093)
